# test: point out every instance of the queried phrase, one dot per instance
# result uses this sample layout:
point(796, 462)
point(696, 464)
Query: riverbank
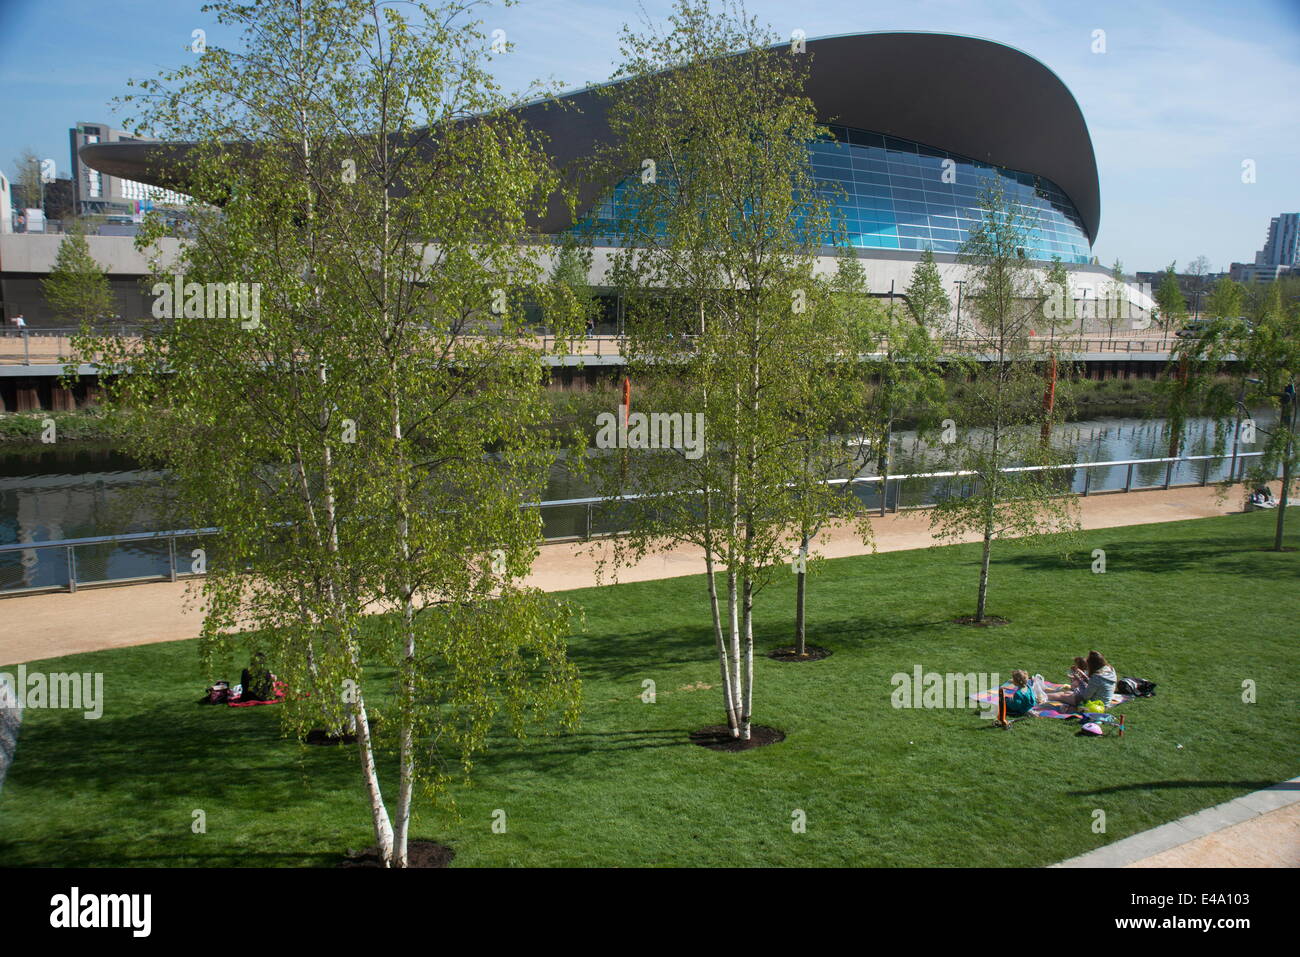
point(52, 624)
point(570, 410)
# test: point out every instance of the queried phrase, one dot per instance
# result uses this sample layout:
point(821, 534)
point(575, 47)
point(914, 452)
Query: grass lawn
point(1196, 606)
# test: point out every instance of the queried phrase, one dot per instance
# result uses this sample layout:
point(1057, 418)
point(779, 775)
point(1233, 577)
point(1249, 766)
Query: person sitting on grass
point(258, 683)
point(1078, 676)
point(1023, 699)
point(1100, 685)
point(1262, 497)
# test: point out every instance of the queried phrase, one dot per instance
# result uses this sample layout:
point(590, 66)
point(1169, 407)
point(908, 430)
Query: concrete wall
point(36, 253)
point(31, 257)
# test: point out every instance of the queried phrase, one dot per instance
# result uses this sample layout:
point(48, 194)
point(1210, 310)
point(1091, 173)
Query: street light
point(959, 283)
point(1236, 434)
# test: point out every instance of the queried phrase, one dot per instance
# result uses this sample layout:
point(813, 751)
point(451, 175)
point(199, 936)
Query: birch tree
point(1263, 360)
point(365, 433)
point(868, 364)
point(718, 221)
point(1002, 445)
point(1117, 308)
point(1170, 302)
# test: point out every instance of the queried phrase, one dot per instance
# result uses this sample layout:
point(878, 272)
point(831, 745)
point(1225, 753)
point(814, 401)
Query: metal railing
point(132, 557)
point(53, 344)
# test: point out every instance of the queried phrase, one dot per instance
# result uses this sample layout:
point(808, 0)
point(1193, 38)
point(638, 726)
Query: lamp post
point(959, 283)
point(1236, 434)
point(1287, 419)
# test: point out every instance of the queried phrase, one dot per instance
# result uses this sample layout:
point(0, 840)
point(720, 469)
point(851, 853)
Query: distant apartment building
point(102, 194)
point(1282, 248)
point(1253, 272)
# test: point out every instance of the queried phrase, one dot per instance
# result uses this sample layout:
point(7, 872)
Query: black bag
point(1136, 687)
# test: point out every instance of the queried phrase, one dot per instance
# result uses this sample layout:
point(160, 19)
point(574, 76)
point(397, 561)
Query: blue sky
point(1184, 93)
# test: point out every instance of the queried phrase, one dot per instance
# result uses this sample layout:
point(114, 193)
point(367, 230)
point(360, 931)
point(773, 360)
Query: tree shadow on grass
point(628, 657)
point(622, 656)
point(82, 849)
point(1128, 556)
point(1176, 785)
point(550, 752)
point(161, 751)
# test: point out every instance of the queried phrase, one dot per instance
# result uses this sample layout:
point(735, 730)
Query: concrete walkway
point(49, 625)
point(1257, 830)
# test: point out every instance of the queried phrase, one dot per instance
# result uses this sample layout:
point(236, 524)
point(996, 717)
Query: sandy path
point(52, 624)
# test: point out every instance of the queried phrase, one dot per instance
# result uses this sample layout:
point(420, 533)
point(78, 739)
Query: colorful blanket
point(1049, 710)
point(280, 689)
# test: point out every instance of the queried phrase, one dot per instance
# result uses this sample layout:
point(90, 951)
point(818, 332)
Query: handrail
point(599, 500)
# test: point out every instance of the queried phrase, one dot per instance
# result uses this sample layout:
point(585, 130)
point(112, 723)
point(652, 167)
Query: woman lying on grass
point(1100, 685)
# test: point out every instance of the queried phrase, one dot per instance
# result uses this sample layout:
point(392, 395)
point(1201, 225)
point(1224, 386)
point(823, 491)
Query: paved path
point(53, 624)
point(1258, 830)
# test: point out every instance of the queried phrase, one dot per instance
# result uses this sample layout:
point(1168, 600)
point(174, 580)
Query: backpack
point(216, 694)
point(1136, 687)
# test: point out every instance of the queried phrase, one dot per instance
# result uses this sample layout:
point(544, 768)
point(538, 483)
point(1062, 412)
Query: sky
point(1184, 94)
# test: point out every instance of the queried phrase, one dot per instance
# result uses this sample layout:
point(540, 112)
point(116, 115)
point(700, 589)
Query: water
point(68, 492)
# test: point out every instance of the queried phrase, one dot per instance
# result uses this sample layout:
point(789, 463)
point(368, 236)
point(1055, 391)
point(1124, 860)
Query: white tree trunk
point(728, 699)
point(747, 709)
point(378, 812)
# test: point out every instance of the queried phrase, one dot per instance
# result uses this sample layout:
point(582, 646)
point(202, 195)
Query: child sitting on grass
point(1023, 699)
point(1078, 676)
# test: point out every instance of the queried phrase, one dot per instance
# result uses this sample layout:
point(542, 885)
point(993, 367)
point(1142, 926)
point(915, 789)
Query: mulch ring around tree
point(418, 854)
point(717, 737)
point(788, 653)
point(323, 737)
point(990, 621)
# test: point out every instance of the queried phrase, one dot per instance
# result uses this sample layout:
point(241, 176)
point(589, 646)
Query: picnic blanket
point(280, 689)
point(1049, 710)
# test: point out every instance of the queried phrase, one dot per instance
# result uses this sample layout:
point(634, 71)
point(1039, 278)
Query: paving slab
point(1261, 829)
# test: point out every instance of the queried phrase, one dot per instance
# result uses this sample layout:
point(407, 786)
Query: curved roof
point(969, 96)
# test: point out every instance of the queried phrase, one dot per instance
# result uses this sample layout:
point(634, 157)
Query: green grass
point(1195, 606)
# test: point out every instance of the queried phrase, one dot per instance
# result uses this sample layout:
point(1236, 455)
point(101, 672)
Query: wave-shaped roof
point(966, 95)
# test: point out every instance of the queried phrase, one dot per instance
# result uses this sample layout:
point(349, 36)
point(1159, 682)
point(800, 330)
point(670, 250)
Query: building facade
point(1282, 247)
point(917, 124)
point(97, 192)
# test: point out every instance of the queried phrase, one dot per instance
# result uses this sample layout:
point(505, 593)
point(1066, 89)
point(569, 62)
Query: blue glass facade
point(894, 197)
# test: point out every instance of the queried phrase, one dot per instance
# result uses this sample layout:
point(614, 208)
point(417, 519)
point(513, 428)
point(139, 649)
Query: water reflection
point(69, 492)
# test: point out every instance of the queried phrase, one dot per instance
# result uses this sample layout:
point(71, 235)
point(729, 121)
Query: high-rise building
point(1282, 248)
